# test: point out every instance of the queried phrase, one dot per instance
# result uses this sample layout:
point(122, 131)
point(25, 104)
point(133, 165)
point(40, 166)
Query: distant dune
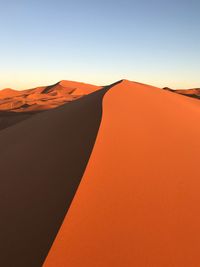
point(195, 93)
point(111, 179)
point(43, 98)
point(16, 106)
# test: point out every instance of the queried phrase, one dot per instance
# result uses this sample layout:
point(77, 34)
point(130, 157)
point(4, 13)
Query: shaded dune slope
point(138, 201)
point(8, 118)
point(42, 160)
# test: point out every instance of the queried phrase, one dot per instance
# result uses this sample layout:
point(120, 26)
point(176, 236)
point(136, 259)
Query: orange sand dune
point(44, 97)
point(195, 93)
point(84, 87)
point(8, 92)
point(138, 202)
point(190, 92)
point(42, 160)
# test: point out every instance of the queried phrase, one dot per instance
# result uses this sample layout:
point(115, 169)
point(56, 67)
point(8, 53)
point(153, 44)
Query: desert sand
point(110, 179)
point(42, 160)
point(9, 118)
point(189, 92)
point(44, 97)
point(195, 92)
point(138, 201)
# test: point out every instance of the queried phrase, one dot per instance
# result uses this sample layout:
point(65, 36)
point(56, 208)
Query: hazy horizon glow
point(151, 41)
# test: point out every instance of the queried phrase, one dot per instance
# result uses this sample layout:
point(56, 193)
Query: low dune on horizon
point(110, 179)
point(43, 97)
point(16, 105)
point(194, 92)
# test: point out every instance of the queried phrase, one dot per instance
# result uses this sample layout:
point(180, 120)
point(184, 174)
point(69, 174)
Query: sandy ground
point(44, 97)
point(138, 201)
point(42, 160)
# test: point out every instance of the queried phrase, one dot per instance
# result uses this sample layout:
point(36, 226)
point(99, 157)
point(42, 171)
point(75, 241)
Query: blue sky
point(151, 41)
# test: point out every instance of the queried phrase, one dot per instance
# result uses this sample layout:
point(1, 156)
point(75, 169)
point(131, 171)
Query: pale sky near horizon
point(150, 41)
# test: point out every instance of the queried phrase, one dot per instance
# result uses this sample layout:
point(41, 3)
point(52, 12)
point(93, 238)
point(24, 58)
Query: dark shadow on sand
point(9, 118)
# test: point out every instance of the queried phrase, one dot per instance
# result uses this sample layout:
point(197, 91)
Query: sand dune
point(195, 93)
point(16, 106)
point(44, 97)
point(138, 201)
point(8, 92)
point(42, 160)
point(190, 92)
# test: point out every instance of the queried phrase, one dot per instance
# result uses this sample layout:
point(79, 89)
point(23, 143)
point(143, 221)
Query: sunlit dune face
point(138, 202)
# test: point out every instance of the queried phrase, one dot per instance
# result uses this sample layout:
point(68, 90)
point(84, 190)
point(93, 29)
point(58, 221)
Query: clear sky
point(99, 41)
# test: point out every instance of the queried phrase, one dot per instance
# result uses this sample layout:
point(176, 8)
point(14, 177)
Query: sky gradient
point(150, 41)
